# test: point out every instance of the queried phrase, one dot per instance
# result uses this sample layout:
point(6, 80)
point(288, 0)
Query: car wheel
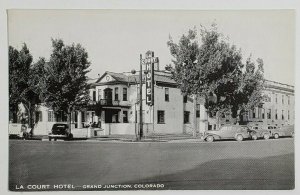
point(254, 137)
point(210, 139)
point(239, 138)
point(266, 136)
point(70, 136)
point(276, 136)
point(49, 138)
point(55, 139)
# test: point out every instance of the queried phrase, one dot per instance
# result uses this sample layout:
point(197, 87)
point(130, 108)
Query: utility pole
point(141, 98)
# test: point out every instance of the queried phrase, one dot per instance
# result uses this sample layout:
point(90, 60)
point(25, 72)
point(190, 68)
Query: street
point(83, 165)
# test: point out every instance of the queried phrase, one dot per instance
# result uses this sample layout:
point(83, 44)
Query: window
point(160, 116)
point(198, 110)
point(224, 128)
point(94, 95)
point(276, 115)
point(50, 116)
point(254, 113)
point(99, 94)
point(282, 99)
point(61, 116)
point(124, 94)
point(288, 100)
point(209, 127)
point(116, 93)
point(269, 114)
point(125, 116)
point(288, 115)
point(263, 113)
point(82, 116)
point(38, 116)
point(166, 94)
point(185, 99)
point(276, 98)
point(186, 117)
point(282, 115)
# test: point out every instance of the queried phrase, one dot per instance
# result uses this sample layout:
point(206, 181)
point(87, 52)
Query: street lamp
point(141, 100)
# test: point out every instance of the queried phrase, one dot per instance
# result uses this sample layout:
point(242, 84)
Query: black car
point(60, 131)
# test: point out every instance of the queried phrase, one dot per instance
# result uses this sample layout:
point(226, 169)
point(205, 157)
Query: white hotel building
point(114, 107)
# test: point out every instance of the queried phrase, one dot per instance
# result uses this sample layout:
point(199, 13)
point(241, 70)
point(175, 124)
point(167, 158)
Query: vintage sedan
point(60, 131)
point(284, 131)
point(257, 132)
point(236, 132)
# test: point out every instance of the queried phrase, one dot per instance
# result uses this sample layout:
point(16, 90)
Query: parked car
point(257, 132)
point(60, 131)
point(284, 131)
point(236, 132)
point(18, 130)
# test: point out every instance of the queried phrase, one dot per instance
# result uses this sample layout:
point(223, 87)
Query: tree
point(20, 90)
point(251, 86)
point(213, 69)
point(62, 81)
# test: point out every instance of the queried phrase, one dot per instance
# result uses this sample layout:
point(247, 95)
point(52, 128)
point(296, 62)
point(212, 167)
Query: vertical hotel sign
point(150, 61)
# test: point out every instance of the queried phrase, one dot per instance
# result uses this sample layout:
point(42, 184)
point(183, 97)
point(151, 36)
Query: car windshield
point(60, 127)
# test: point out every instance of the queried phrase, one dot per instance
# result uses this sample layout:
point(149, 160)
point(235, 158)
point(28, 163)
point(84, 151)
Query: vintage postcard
point(118, 100)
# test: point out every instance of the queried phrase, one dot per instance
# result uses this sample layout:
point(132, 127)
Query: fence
point(126, 128)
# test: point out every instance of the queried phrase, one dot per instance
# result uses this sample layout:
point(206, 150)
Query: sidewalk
point(173, 138)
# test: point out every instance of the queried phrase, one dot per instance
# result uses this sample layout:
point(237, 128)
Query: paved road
point(261, 164)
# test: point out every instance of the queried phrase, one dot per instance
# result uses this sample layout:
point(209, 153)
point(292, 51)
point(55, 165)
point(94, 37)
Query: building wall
point(173, 110)
point(43, 125)
point(275, 92)
point(280, 97)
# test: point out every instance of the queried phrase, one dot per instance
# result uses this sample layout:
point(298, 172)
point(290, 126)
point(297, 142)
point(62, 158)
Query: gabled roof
point(159, 76)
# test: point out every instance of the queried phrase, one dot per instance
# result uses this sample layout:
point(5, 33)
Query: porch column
point(120, 113)
point(102, 118)
point(103, 125)
point(79, 119)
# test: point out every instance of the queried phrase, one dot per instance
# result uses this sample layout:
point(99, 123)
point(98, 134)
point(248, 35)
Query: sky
point(114, 39)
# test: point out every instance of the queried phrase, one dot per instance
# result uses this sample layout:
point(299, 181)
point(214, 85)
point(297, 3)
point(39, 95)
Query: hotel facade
point(115, 103)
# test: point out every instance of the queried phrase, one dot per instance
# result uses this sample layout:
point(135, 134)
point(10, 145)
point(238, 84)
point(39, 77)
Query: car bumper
point(57, 136)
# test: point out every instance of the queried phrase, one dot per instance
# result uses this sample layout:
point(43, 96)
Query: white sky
point(115, 38)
